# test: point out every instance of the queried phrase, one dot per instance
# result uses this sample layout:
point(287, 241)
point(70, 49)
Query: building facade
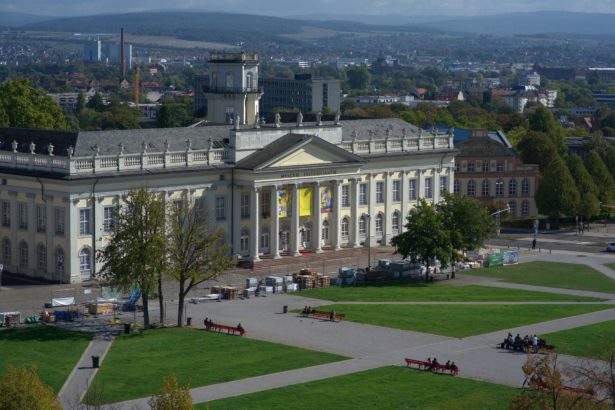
point(488, 170)
point(302, 93)
point(275, 190)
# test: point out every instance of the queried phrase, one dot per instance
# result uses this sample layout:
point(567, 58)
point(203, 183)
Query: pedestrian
point(535, 343)
point(332, 316)
point(534, 244)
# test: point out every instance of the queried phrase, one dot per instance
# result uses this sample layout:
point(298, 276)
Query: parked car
point(610, 247)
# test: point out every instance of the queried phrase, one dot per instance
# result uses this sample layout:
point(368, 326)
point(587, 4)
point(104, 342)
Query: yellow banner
point(305, 201)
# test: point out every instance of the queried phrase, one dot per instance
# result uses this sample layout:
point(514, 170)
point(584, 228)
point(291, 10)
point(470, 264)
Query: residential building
point(302, 93)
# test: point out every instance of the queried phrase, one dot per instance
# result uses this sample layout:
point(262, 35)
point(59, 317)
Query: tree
point(426, 237)
point(194, 251)
point(172, 115)
point(135, 254)
point(557, 194)
point(600, 378)
point(468, 222)
point(537, 148)
point(602, 177)
point(23, 389)
point(542, 120)
point(80, 103)
point(24, 106)
point(96, 102)
point(608, 156)
point(589, 205)
point(359, 77)
point(172, 396)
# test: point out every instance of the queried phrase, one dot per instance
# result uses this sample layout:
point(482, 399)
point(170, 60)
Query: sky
point(299, 7)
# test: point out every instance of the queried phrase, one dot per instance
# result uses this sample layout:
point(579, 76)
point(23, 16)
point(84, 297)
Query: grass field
point(552, 274)
point(611, 265)
point(136, 364)
point(459, 320)
point(420, 292)
point(596, 341)
point(383, 388)
point(52, 350)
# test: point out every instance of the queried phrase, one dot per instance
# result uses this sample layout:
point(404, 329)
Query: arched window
point(249, 81)
point(6, 252)
point(325, 231)
point(41, 258)
point(362, 226)
point(485, 188)
point(345, 228)
point(395, 223)
point(525, 187)
point(379, 225)
point(264, 238)
point(244, 240)
point(499, 188)
point(456, 187)
point(230, 81)
point(85, 263)
point(512, 187)
point(471, 188)
point(525, 208)
point(23, 255)
point(513, 208)
point(59, 261)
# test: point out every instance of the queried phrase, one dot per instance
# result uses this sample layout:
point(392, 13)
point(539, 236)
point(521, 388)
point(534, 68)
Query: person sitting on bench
point(447, 365)
point(454, 367)
point(434, 364)
point(206, 322)
point(240, 328)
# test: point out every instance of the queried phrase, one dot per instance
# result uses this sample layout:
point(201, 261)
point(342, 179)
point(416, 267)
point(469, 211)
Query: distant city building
point(529, 79)
point(92, 52)
point(303, 93)
point(489, 170)
point(200, 102)
point(604, 97)
point(108, 53)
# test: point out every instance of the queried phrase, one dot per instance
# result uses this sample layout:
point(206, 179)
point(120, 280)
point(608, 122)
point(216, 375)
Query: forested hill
point(222, 27)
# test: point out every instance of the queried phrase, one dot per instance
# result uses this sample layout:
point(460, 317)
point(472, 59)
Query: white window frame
point(456, 187)
point(41, 218)
point(412, 189)
point(525, 207)
point(220, 208)
point(512, 187)
point(345, 228)
point(362, 226)
point(325, 231)
point(85, 261)
point(265, 204)
point(109, 219)
point(41, 257)
point(395, 227)
point(396, 194)
point(22, 209)
point(428, 187)
point(379, 224)
point(471, 188)
point(244, 205)
point(23, 255)
point(244, 240)
point(379, 192)
point(485, 188)
point(6, 251)
point(443, 184)
point(345, 196)
point(60, 221)
point(499, 187)
point(6, 213)
point(363, 194)
point(85, 221)
point(525, 187)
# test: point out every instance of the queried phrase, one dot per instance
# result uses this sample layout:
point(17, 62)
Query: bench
point(326, 315)
point(436, 368)
point(217, 327)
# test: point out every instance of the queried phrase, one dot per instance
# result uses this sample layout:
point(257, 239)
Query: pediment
point(309, 154)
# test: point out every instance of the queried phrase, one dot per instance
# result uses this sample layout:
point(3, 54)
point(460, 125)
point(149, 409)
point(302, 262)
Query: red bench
point(216, 327)
point(436, 368)
point(326, 315)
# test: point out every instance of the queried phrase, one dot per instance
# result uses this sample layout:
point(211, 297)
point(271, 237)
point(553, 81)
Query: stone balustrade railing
point(112, 163)
point(392, 144)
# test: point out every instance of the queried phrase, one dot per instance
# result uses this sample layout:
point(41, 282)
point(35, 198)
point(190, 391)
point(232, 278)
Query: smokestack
point(122, 61)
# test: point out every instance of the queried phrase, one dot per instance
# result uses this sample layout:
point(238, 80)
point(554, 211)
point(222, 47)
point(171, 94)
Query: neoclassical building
point(275, 190)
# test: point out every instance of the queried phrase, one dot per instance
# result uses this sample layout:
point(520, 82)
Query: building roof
point(482, 145)
point(378, 128)
point(41, 138)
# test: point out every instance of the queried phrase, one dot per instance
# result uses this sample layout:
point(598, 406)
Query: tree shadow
point(42, 333)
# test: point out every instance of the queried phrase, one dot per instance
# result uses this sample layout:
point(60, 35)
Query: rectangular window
point(470, 167)
point(6, 213)
point(245, 206)
point(380, 192)
point(220, 208)
point(500, 166)
point(345, 195)
point(108, 219)
point(412, 189)
point(23, 215)
point(41, 218)
point(84, 222)
point(59, 221)
point(363, 194)
point(485, 166)
point(443, 185)
point(265, 206)
point(396, 191)
point(456, 187)
point(428, 185)
point(499, 188)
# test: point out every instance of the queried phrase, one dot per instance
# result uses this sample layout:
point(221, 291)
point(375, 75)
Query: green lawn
point(552, 274)
point(611, 265)
point(596, 341)
point(457, 320)
point(136, 364)
point(420, 292)
point(54, 351)
point(383, 388)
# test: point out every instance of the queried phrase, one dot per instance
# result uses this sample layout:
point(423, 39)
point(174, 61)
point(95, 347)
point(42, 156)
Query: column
point(32, 244)
point(71, 255)
point(14, 221)
point(354, 212)
point(420, 182)
point(337, 215)
point(317, 219)
point(388, 208)
point(236, 220)
point(436, 185)
point(254, 224)
point(294, 226)
point(405, 192)
point(371, 210)
point(274, 234)
point(49, 233)
point(97, 216)
point(451, 181)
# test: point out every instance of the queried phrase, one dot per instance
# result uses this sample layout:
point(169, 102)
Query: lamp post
point(368, 242)
point(497, 216)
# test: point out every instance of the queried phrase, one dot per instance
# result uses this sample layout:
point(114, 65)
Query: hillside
point(9, 19)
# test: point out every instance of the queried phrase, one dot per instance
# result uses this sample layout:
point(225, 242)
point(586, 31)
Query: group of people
point(525, 344)
point(307, 310)
point(207, 323)
point(433, 364)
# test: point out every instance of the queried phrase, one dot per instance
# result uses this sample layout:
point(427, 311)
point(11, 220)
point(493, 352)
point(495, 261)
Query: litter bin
point(285, 309)
point(95, 362)
point(188, 321)
point(126, 328)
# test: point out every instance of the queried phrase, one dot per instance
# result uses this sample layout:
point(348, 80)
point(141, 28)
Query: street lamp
point(497, 216)
point(368, 241)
